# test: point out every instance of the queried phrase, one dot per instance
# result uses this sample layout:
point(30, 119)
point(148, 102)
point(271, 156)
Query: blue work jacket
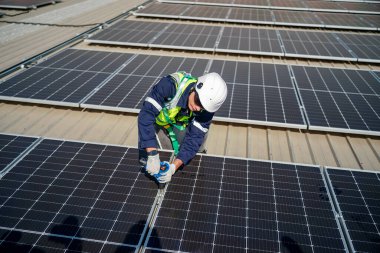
point(198, 126)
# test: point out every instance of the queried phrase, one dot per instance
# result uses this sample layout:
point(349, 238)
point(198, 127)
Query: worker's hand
point(153, 164)
point(166, 176)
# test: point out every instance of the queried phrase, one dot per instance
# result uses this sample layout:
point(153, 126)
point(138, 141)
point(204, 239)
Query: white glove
point(166, 177)
point(153, 164)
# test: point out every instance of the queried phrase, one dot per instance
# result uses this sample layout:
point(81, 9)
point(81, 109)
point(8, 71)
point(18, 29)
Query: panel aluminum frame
point(30, 5)
point(149, 217)
point(39, 101)
point(145, 247)
point(116, 43)
point(336, 203)
point(22, 154)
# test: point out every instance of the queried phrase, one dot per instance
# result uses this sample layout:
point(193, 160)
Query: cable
point(47, 24)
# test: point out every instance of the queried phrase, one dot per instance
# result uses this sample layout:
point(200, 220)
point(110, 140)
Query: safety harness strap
point(173, 139)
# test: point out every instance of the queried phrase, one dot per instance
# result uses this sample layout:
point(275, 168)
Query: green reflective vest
point(169, 114)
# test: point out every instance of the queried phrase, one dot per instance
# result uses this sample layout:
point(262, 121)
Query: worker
point(179, 110)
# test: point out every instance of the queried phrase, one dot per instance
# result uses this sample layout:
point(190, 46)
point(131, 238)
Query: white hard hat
point(212, 91)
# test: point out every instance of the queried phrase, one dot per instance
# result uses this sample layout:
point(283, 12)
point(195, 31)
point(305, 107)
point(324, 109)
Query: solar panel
point(318, 45)
point(247, 15)
point(156, 34)
point(299, 18)
point(357, 195)
point(25, 4)
point(130, 33)
point(261, 16)
point(260, 93)
point(361, 7)
point(249, 41)
point(64, 79)
point(232, 205)
point(365, 47)
point(187, 37)
point(340, 100)
point(349, 21)
point(73, 196)
point(11, 148)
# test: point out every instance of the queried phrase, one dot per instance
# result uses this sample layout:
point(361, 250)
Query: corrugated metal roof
point(236, 140)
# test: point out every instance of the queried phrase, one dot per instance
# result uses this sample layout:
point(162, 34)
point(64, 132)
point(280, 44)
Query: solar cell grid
point(65, 79)
point(314, 45)
point(343, 20)
point(261, 16)
point(220, 204)
point(296, 17)
point(357, 196)
point(320, 6)
point(258, 92)
point(337, 98)
point(251, 41)
point(247, 15)
point(135, 32)
point(67, 193)
point(196, 12)
point(11, 147)
point(188, 36)
point(365, 47)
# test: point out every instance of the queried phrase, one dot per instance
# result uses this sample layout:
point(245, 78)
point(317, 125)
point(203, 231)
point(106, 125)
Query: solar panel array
point(261, 16)
point(322, 6)
point(83, 197)
point(25, 4)
point(300, 44)
point(75, 196)
point(264, 94)
point(357, 196)
point(231, 205)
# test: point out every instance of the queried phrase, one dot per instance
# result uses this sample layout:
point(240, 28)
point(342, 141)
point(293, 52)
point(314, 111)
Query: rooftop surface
point(189, 214)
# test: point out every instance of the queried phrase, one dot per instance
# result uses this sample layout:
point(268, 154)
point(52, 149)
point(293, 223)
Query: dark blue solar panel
point(65, 79)
point(358, 197)
point(231, 205)
point(64, 194)
point(340, 98)
point(11, 147)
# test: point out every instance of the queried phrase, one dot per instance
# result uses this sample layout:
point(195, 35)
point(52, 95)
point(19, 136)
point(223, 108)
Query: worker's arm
point(160, 92)
point(194, 137)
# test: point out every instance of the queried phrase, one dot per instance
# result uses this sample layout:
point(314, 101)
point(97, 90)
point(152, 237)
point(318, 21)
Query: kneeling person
point(179, 108)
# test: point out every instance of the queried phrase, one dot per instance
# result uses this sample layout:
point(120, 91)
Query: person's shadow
point(133, 237)
point(11, 244)
point(70, 228)
point(290, 245)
